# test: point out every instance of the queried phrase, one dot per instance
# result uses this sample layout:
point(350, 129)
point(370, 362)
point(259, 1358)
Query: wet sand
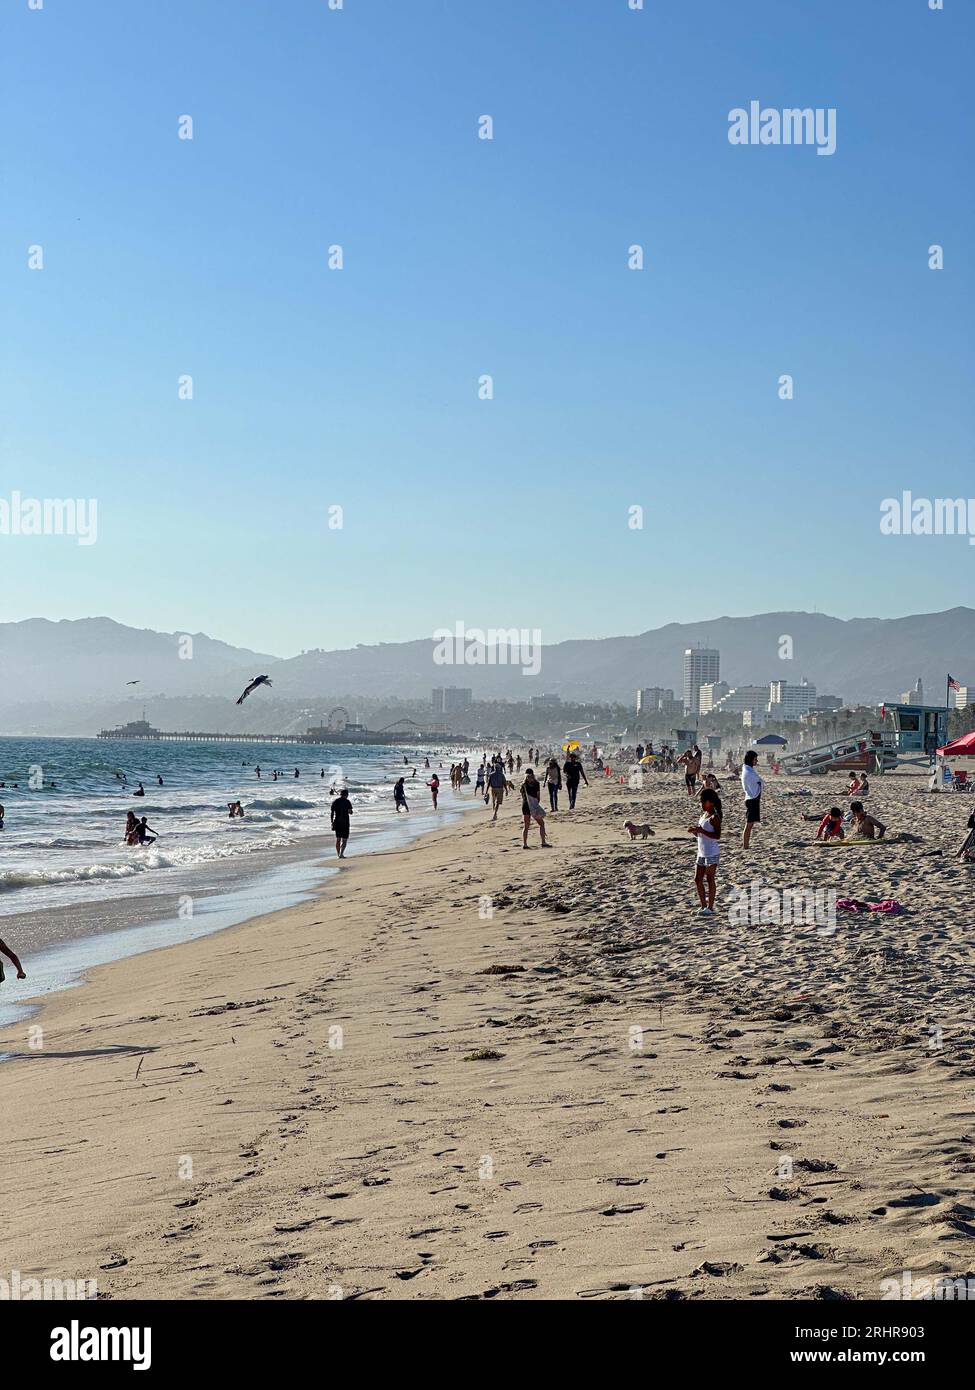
point(470, 1071)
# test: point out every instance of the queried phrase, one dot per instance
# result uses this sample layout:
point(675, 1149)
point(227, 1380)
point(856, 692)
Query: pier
point(140, 731)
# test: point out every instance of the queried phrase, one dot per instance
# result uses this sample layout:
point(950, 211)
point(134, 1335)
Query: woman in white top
point(708, 835)
point(752, 785)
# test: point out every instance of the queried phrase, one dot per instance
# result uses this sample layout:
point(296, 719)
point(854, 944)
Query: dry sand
point(349, 1099)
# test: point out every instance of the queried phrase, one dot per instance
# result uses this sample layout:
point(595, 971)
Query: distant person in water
point(296, 772)
point(159, 780)
point(1, 817)
point(5, 949)
point(147, 836)
point(399, 795)
point(434, 785)
point(131, 832)
point(341, 810)
point(258, 770)
point(141, 791)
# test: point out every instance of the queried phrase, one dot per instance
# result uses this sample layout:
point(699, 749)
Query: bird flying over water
point(258, 680)
point(133, 682)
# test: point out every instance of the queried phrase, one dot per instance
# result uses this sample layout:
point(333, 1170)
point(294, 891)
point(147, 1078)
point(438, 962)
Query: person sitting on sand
point(531, 807)
point(864, 826)
point(340, 812)
point(5, 949)
point(967, 850)
point(399, 795)
point(831, 825)
point(711, 783)
point(707, 833)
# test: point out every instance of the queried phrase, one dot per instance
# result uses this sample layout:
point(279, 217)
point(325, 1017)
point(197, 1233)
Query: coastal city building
point(702, 665)
point(710, 693)
point(450, 698)
point(915, 696)
point(544, 701)
point(651, 697)
point(964, 696)
point(742, 697)
point(787, 701)
point(828, 704)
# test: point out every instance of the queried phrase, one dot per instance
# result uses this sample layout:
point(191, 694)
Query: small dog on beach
point(642, 830)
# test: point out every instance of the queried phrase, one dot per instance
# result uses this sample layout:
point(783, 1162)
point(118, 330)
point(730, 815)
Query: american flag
point(953, 684)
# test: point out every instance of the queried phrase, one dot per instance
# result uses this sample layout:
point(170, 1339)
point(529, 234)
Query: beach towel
point(535, 807)
point(858, 905)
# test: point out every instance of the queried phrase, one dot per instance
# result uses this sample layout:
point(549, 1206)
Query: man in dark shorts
point(572, 770)
point(752, 785)
point(340, 813)
point(692, 766)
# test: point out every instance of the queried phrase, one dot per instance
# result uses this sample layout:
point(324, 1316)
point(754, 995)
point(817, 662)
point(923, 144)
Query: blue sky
point(359, 387)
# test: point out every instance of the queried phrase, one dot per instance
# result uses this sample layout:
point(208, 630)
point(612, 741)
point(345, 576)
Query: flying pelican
point(258, 680)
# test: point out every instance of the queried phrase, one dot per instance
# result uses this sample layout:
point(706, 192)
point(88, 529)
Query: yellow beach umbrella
point(571, 746)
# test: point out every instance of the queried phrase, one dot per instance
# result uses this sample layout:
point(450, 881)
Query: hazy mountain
point(71, 675)
point(860, 659)
point(86, 657)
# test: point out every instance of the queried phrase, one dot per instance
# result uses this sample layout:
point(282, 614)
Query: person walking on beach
point(497, 785)
point(341, 810)
point(553, 780)
point(434, 785)
point(399, 796)
point(574, 771)
point(752, 785)
point(531, 807)
point(5, 949)
point(707, 832)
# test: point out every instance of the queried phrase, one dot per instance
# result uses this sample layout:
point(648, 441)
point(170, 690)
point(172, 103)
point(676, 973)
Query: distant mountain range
point(79, 668)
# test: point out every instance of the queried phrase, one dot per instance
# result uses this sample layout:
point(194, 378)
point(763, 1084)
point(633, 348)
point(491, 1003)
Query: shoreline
point(280, 878)
point(386, 1093)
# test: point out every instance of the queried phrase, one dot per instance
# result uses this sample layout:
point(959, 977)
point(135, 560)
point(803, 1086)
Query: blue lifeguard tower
point(917, 730)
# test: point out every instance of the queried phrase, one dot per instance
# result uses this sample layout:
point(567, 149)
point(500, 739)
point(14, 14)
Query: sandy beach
point(468, 1071)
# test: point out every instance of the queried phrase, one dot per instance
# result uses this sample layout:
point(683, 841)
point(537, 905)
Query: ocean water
point(73, 894)
point(64, 844)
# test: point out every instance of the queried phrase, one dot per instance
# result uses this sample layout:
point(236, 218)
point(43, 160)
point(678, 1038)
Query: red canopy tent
point(963, 747)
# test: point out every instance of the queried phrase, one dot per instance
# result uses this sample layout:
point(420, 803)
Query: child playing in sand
point(831, 825)
point(707, 832)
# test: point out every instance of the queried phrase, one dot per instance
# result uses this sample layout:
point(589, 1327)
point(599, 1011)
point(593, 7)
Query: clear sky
point(358, 387)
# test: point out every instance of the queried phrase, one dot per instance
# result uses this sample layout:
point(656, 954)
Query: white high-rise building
point(710, 693)
point(787, 701)
point(702, 666)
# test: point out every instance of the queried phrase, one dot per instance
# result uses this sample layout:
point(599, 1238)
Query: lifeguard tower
point(908, 734)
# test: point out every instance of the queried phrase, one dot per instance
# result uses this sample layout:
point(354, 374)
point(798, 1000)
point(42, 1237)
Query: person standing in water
point(340, 813)
point(434, 785)
point(399, 795)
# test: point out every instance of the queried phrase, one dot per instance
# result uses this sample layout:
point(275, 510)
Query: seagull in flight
point(258, 680)
point(133, 682)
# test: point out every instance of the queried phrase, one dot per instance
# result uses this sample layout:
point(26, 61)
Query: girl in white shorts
point(708, 835)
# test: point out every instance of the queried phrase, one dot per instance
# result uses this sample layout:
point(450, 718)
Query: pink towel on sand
point(856, 905)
